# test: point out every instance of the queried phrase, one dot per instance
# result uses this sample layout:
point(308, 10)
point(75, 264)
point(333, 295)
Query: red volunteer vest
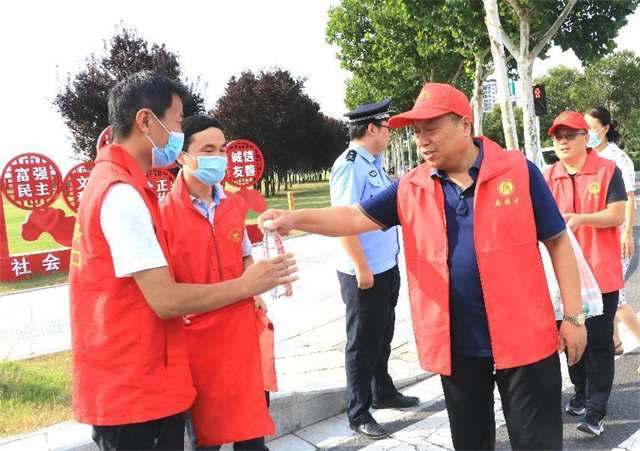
point(129, 366)
point(516, 297)
point(224, 348)
point(267, 344)
point(587, 193)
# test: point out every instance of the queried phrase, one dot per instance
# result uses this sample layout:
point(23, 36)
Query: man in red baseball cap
point(479, 301)
point(591, 195)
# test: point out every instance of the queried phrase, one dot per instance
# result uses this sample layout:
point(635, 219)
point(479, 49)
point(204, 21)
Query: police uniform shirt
point(357, 175)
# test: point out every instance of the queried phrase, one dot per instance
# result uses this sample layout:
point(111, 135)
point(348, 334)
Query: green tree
point(611, 82)
point(82, 100)
point(530, 28)
point(271, 109)
point(492, 125)
point(562, 86)
point(393, 47)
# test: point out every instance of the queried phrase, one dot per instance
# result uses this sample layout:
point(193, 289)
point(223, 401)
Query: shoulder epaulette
point(351, 155)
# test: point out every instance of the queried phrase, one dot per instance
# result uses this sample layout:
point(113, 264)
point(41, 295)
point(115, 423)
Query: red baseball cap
point(569, 119)
point(435, 100)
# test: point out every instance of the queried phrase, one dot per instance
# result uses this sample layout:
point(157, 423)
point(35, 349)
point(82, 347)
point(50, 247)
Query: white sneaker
point(592, 424)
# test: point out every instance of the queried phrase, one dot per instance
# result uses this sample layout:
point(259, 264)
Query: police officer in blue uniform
point(368, 274)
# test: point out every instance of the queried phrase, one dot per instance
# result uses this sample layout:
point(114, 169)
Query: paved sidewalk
point(425, 427)
point(309, 331)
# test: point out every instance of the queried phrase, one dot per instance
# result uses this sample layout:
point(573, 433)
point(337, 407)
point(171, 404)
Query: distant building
point(489, 95)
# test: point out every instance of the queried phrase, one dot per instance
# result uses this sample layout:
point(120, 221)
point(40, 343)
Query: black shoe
point(593, 424)
point(575, 406)
point(370, 430)
point(397, 401)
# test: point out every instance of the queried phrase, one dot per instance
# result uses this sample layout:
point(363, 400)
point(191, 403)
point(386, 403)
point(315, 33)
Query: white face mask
point(594, 139)
point(211, 170)
point(162, 157)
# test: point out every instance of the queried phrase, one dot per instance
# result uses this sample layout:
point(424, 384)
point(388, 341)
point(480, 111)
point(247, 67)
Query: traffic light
point(539, 100)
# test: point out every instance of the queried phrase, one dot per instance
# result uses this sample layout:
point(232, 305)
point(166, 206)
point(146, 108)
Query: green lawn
point(36, 281)
point(35, 393)
point(306, 195)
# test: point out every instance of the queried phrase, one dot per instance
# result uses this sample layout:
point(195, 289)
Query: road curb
point(290, 411)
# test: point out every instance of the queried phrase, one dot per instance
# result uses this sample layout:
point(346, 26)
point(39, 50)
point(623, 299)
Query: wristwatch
point(578, 319)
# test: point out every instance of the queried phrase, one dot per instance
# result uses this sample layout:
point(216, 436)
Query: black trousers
point(163, 434)
point(370, 321)
point(531, 401)
point(592, 376)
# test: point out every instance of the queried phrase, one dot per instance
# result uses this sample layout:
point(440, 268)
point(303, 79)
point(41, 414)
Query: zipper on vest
point(479, 183)
point(573, 184)
point(215, 242)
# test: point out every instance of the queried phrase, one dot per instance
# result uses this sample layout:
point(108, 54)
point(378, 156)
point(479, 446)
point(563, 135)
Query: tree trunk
point(497, 51)
point(531, 133)
point(409, 140)
point(401, 157)
point(477, 97)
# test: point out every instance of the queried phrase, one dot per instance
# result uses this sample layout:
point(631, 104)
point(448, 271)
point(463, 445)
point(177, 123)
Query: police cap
point(369, 112)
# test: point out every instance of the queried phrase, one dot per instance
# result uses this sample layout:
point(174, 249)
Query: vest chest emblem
point(594, 189)
point(235, 234)
point(506, 188)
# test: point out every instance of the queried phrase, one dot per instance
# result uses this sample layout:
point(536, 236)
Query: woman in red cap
point(591, 196)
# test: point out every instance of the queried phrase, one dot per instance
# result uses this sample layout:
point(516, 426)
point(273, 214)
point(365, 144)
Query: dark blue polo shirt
point(469, 327)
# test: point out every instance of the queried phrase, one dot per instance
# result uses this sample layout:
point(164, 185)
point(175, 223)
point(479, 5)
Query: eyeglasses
point(567, 136)
point(385, 126)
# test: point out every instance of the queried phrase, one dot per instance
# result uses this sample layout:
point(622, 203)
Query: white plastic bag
point(591, 295)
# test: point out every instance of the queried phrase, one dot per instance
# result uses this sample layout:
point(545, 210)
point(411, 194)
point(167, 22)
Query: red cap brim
point(553, 128)
point(417, 114)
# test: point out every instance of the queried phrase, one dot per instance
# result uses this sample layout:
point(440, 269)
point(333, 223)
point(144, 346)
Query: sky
point(42, 41)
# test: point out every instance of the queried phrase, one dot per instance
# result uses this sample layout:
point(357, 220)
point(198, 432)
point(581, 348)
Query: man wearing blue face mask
point(204, 225)
point(131, 378)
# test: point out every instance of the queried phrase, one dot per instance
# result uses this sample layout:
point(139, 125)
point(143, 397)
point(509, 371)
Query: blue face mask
point(594, 139)
point(211, 170)
point(161, 157)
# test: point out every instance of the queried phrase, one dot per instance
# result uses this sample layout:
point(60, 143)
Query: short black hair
point(144, 89)
point(195, 124)
point(604, 116)
point(455, 118)
point(358, 129)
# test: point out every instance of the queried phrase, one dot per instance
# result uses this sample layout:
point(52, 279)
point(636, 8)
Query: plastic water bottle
point(585, 308)
point(271, 247)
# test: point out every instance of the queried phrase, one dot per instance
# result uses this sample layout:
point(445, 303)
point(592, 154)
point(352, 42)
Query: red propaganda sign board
point(160, 181)
point(31, 181)
point(245, 165)
point(104, 139)
point(75, 183)
point(17, 267)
